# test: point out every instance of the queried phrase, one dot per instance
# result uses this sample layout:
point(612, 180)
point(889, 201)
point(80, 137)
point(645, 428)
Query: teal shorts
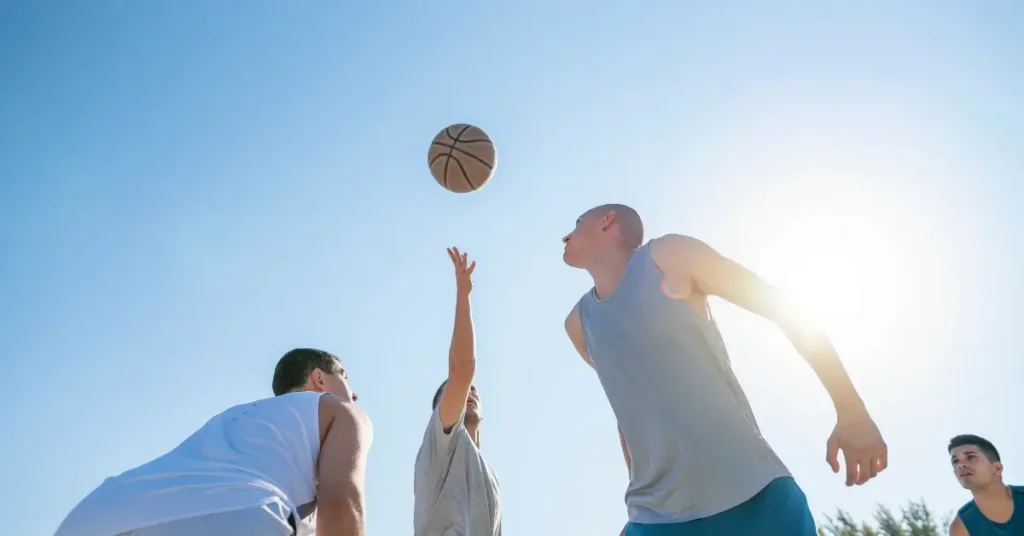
point(780, 509)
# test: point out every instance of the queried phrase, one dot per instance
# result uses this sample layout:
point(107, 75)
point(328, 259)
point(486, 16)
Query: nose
point(565, 239)
point(354, 396)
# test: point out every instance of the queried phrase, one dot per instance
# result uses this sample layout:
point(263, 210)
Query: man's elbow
point(804, 333)
point(461, 369)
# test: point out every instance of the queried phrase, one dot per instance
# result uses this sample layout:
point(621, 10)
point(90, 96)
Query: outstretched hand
point(864, 451)
point(463, 270)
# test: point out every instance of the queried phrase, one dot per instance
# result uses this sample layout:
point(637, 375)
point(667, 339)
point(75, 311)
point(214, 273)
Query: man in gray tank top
point(455, 491)
point(696, 459)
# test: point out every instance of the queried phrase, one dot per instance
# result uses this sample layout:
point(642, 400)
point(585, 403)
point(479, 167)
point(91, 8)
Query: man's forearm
point(462, 354)
point(818, 351)
point(341, 518)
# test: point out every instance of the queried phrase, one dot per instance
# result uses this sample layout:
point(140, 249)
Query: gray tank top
point(695, 446)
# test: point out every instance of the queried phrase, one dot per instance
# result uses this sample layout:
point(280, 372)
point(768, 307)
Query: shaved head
point(607, 229)
point(631, 227)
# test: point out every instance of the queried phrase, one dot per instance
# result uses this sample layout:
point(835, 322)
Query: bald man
point(696, 459)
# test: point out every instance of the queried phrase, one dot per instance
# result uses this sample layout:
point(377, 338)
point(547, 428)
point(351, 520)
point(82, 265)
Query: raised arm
point(574, 328)
point(694, 267)
point(462, 353)
point(341, 471)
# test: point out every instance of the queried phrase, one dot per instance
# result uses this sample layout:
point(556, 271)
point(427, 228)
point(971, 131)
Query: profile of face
point(972, 468)
point(335, 383)
point(474, 411)
point(585, 238)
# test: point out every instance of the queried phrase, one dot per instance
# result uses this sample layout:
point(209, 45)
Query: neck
point(608, 270)
point(995, 493)
point(474, 433)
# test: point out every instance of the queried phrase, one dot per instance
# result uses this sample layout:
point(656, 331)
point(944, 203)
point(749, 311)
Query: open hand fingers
point(832, 452)
point(458, 259)
point(852, 469)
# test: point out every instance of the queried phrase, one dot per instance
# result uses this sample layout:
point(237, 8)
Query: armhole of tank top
point(578, 309)
point(648, 258)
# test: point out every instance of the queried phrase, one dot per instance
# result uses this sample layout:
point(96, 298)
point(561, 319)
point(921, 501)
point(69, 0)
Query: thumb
point(832, 451)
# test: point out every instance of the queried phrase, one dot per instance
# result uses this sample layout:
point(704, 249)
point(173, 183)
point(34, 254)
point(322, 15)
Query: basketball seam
point(445, 144)
point(435, 159)
point(450, 149)
point(465, 175)
point(447, 130)
point(471, 155)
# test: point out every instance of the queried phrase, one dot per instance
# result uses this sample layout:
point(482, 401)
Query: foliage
point(914, 519)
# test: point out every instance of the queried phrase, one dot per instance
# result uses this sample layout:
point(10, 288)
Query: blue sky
point(190, 189)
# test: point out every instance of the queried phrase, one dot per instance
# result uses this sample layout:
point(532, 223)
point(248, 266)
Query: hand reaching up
point(463, 271)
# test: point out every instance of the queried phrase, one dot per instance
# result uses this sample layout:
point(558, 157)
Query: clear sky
point(188, 189)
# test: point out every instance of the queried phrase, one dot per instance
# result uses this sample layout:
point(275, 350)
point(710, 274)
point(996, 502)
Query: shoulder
point(435, 428)
point(335, 411)
point(673, 248)
point(969, 506)
point(573, 318)
point(574, 329)
point(957, 528)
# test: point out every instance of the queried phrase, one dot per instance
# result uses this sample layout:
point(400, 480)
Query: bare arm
point(341, 473)
point(957, 528)
point(694, 267)
point(574, 328)
point(462, 353)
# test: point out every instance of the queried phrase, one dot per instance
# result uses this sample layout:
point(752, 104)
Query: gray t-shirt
point(456, 493)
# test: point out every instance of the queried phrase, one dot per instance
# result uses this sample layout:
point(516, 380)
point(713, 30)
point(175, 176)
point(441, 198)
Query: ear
point(316, 378)
point(999, 468)
point(607, 220)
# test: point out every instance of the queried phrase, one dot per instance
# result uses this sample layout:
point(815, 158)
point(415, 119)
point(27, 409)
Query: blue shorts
point(780, 509)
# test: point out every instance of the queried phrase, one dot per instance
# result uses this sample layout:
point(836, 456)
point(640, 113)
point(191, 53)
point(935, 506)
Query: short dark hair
point(985, 446)
point(437, 395)
point(294, 368)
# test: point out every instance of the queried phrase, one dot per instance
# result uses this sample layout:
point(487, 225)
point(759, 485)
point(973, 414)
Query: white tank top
point(245, 457)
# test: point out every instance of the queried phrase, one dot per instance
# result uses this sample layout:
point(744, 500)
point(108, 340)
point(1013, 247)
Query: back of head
point(294, 368)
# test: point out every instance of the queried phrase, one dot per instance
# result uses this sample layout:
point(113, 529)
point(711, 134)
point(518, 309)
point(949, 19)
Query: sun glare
point(842, 272)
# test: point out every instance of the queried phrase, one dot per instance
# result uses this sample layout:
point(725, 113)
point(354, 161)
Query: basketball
point(461, 158)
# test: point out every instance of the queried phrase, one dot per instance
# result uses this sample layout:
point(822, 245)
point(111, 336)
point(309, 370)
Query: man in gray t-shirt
point(456, 492)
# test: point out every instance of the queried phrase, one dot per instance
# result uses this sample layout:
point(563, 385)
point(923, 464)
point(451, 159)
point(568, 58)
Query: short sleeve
point(438, 444)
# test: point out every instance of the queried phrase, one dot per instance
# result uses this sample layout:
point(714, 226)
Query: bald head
point(627, 220)
point(611, 228)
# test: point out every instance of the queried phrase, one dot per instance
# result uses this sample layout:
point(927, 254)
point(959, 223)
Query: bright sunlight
point(841, 269)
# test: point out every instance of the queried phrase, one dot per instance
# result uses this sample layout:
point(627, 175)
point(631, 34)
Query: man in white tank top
point(257, 469)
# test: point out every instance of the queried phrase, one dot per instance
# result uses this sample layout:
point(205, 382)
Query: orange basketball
point(461, 158)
